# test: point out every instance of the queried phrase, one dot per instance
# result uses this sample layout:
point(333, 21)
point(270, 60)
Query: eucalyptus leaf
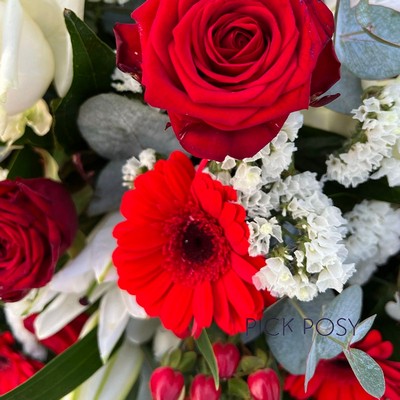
point(286, 330)
point(367, 371)
point(118, 128)
point(61, 375)
point(204, 345)
point(311, 366)
point(361, 330)
point(108, 189)
point(363, 55)
point(381, 22)
point(93, 64)
point(349, 87)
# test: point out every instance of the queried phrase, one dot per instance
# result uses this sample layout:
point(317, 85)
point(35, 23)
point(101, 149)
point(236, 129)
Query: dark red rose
point(15, 368)
point(38, 223)
point(230, 72)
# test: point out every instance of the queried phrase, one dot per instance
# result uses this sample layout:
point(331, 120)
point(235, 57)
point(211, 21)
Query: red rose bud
point(203, 387)
point(228, 358)
point(264, 384)
point(38, 223)
point(167, 384)
point(15, 368)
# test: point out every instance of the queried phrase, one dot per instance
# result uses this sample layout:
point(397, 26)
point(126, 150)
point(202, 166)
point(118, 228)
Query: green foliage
point(204, 345)
point(362, 53)
point(93, 63)
point(63, 374)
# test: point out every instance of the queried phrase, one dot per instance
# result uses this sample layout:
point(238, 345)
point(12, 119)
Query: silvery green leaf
point(287, 332)
point(380, 22)
point(118, 128)
point(367, 371)
point(108, 189)
point(361, 330)
point(312, 361)
point(343, 312)
point(349, 87)
point(363, 55)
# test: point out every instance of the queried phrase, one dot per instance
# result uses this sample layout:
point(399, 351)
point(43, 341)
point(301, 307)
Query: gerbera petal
point(243, 267)
point(203, 304)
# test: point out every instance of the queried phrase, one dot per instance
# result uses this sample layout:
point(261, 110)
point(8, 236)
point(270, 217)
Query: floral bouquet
point(200, 199)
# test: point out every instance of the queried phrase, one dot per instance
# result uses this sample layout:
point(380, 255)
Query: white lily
point(115, 379)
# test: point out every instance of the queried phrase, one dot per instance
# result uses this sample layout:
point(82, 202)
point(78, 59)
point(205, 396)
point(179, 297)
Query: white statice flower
point(374, 236)
point(313, 252)
point(123, 82)
point(136, 166)
point(261, 232)
point(373, 150)
point(247, 179)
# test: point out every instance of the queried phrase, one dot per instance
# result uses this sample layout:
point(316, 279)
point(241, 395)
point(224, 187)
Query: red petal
point(129, 52)
point(204, 141)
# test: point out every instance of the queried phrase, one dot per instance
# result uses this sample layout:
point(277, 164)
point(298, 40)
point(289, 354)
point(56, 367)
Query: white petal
point(140, 331)
point(112, 321)
point(63, 310)
point(164, 341)
point(48, 14)
point(28, 340)
point(115, 379)
point(101, 246)
point(393, 308)
point(34, 67)
point(134, 309)
point(76, 276)
point(77, 6)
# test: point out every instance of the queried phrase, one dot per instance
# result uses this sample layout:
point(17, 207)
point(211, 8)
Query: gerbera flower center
point(197, 249)
point(197, 243)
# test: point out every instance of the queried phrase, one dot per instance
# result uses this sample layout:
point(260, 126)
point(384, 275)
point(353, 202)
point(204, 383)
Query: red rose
point(38, 223)
point(230, 72)
point(15, 368)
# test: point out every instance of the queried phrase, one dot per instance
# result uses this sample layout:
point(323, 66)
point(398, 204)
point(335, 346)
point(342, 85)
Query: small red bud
point(264, 384)
point(228, 357)
point(167, 384)
point(203, 387)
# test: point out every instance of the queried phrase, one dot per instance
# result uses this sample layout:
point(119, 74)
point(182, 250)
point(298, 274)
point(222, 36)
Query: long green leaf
point(63, 374)
point(204, 345)
point(93, 63)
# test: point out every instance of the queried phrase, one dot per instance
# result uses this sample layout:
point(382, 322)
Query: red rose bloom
point(38, 223)
point(183, 250)
point(230, 72)
point(15, 368)
point(335, 380)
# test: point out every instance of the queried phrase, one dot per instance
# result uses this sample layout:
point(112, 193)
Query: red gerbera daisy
point(334, 379)
point(183, 250)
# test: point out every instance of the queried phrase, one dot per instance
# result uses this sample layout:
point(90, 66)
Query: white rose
point(35, 50)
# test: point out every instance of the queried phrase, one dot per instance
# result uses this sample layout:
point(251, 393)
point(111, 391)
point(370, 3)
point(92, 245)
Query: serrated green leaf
point(63, 374)
point(363, 55)
point(367, 371)
point(381, 23)
point(205, 347)
point(93, 63)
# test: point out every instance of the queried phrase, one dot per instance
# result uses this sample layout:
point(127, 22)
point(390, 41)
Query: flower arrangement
point(199, 199)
